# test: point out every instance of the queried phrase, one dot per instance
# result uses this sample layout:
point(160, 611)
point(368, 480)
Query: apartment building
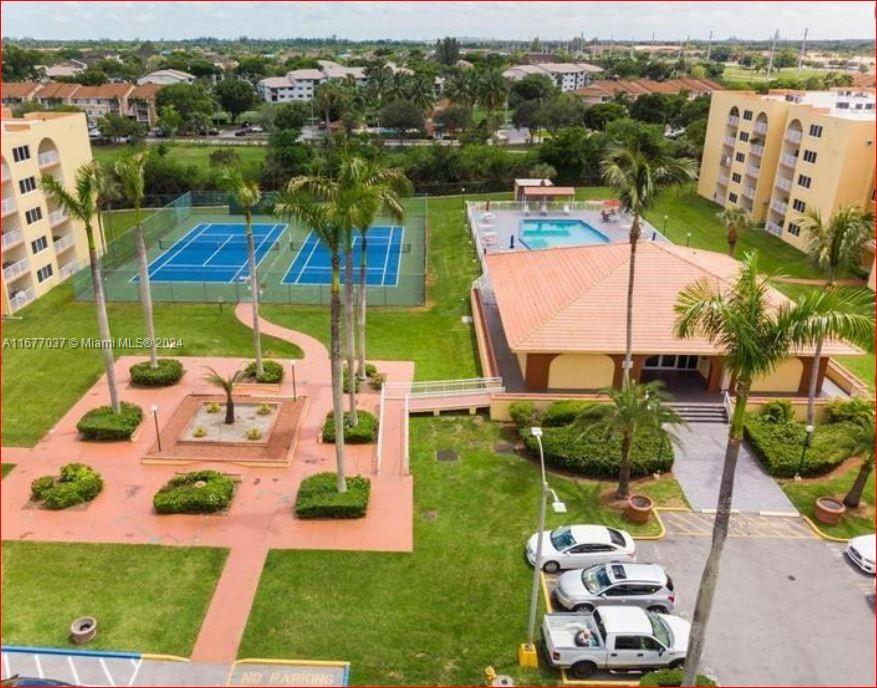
point(167, 77)
point(784, 153)
point(568, 76)
point(41, 245)
point(605, 90)
point(300, 84)
point(98, 101)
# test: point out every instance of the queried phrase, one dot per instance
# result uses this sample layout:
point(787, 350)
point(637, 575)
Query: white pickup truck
point(615, 639)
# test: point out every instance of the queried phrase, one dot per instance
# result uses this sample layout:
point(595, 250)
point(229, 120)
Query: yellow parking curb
point(577, 682)
point(165, 658)
point(824, 536)
point(546, 596)
point(661, 532)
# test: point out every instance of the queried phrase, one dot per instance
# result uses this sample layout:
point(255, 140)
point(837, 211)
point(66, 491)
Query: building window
point(736, 177)
point(809, 156)
point(732, 197)
point(21, 153)
point(843, 106)
point(747, 115)
point(740, 157)
point(816, 130)
point(794, 229)
point(38, 245)
point(799, 205)
point(33, 215)
point(744, 136)
point(804, 180)
point(27, 185)
point(44, 273)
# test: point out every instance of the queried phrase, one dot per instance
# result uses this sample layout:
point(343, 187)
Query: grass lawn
point(197, 154)
point(736, 73)
point(455, 605)
point(5, 469)
point(803, 493)
point(33, 398)
point(145, 598)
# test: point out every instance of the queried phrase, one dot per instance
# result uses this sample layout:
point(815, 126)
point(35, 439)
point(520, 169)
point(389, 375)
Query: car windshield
point(595, 579)
point(660, 630)
point(616, 537)
point(562, 538)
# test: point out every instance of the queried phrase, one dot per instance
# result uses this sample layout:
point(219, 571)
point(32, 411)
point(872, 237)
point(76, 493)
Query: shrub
point(272, 372)
point(853, 410)
point(524, 414)
point(590, 452)
point(168, 373)
point(264, 409)
point(213, 407)
point(318, 497)
point(254, 434)
point(366, 429)
point(377, 381)
point(778, 411)
point(199, 432)
point(102, 424)
point(345, 382)
point(87, 480)
point(672, 677)
point(40, 486)
point(778, 446)
point(76, 483)
point(199, 492)
point(563, 412)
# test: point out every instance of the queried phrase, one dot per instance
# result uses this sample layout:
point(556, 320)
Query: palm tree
point(492, 91)
point(639, 178)
point(633, 408)
point(461, 89)
point(129, 172)
point(378, 78)
point(248, 195)
point(860, 443)
point(754, 338)
point(736, 221)
point(420, 92)
point(304, 198)
point(397, 88)
point(82, 205)
point(838, 243)
point(329, 96)
point(227, 385)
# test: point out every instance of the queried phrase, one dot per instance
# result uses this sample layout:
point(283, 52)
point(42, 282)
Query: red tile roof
point(145, 91)
point(105, 91)
point(20, 89)
point(58, 90)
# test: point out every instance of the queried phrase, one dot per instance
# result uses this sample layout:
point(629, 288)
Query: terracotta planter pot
point(83, 630)
point(829, 510)
point(639, 508)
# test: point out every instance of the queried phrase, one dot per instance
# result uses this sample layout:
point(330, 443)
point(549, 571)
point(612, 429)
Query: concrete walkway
point(698, 469)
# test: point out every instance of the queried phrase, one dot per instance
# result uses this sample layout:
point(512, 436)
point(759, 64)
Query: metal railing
point(749, 191)
point(753, 170)
point(48, 158)
point(11, 238)
point(7, 205)
point(380, 450)
point(22, 298)
point(4, 172)
point(730, 141)
point(784, 183)
point(760, 127)
point(726, 402)
point(68, 269)
point(64, 243)
point(788, 160)
point(56, 217)
point(757, 149)
point(733, 121)
point(533, 206)
point(773, 228)
point(444, 388)
point(723, 179)
point(16, 269)
point(793, 136)
point(779, 206)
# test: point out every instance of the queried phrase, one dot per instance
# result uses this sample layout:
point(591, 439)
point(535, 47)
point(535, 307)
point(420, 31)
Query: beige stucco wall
point(581, 371)
point(785, 378)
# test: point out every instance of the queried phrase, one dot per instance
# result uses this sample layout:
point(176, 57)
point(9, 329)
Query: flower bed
point(366, 429)
point(199, 492)
point(168, 372)
point(102, 424)
point(318, 497)
point(76, 484)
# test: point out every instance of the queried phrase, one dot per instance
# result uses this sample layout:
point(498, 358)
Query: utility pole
point(709, 47)
point(803, 49)
point(632, 51)
point(773, 47)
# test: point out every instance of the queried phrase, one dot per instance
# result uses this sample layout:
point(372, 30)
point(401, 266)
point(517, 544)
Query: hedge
point(524, 414)
point(778, 445)
point(272, 372)
point(102, 424)
point(855, 410)
point(182, 495)
point(318, 497)
point(168, 372)
point(590, 452)
point(366, 429)
point(76, 484)
point(672, 677)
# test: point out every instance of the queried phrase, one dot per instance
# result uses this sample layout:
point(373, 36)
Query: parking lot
point(789, 610)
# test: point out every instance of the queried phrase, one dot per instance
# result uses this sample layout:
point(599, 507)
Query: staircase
point(701, 412)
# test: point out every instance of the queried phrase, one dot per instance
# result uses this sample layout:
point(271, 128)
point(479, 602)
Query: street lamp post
point(807, 441)
point(294, 388)
point(155, 418)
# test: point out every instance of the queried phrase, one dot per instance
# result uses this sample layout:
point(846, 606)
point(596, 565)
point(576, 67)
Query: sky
point(430, 20)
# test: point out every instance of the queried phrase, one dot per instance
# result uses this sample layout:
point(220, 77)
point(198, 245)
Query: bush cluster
point(366, 429)
point(272, 372)
point(672, 677)
point(199, 492)
point(855, 410)
point(102, 424)
point(168, 372)
point(778, 411)
point(374, 378)
point(77, 483)
point(318, 497)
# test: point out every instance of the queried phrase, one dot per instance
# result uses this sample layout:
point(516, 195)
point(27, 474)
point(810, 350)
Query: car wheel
point(658, 609)
point(676, 664)
point(583, 669)
point(584, 608)
point(551, 567)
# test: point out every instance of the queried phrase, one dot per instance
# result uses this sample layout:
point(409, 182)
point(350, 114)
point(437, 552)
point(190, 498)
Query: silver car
point(636, 585)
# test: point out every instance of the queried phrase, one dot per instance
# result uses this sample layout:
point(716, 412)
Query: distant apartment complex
point(605, 90)
point(568, 76)
point(41, 245)
point(780, 155)
point(167, 77)
point(300, 84)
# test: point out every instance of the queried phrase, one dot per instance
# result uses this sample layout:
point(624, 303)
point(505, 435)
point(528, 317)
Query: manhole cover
point(446, 455)
point(504, 448)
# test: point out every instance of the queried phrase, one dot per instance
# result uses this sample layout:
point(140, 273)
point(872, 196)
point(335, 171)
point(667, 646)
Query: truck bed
point(560, 631)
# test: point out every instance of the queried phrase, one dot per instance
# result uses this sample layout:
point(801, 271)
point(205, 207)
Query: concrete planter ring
point(639, 508)
point(83, 630)
point(829, 510)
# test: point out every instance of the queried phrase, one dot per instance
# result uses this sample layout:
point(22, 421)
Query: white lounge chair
point(566, 210)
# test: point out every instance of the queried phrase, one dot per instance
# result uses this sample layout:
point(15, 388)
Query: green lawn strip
point(5, 469)
point(803, 494)
point(34, 399)
point(145, 598)
point(455, 605)
point(197, 154)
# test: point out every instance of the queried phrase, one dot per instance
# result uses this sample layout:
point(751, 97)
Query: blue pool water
point(547, 233)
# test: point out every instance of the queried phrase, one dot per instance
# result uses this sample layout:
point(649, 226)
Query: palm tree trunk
point(229, 409)
point(710, 577)
point(335, 354)
point(145, 293)
point(103, 323)
point(624, 471)
point(360, 307)
point(814, 379)
point(628, 344)
point(854, 496)
point(349, 333)
point(254, 285)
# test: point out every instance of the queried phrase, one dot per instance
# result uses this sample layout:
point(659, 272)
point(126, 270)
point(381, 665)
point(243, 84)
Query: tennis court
point(214, 252)
point(384, 247)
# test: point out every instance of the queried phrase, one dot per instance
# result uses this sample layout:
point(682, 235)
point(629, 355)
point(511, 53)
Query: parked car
point(635, 585)
point(861, 551)
point(581, 546)
point(31, 681)
point(615, 639)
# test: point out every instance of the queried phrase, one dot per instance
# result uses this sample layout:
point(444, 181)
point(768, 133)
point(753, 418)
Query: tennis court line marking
point(222, 246)
point(302, 269)
point(160, 262)
point(185, 241)
point(256, 250)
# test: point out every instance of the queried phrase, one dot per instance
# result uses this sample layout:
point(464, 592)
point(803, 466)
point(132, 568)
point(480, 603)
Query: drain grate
point(447, 455)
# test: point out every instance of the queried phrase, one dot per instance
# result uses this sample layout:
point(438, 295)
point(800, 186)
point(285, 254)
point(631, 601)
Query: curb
point(780, 514)
point(824, 536)
point(661, 532)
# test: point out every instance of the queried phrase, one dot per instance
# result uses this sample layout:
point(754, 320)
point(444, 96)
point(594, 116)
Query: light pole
point(155, 418)
point(807, 440)
point(294, 388)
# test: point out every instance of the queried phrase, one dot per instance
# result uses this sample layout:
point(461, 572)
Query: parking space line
point(73, 671)
point(106, 671)
point(36, 659)
point(6, 665)
point(137, 664)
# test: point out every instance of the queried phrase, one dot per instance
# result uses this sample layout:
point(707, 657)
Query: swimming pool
point(547, 233)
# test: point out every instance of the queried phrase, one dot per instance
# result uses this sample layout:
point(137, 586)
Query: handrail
point(405, 457)
point(380, 452)
point(726, 402)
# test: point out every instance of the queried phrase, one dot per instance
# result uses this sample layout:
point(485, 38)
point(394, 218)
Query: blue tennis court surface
point(313, 262)
point(214, 252)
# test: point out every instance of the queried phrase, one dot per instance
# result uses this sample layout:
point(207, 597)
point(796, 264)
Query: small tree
point(736, 221)
point(838, 243)
point(235, 96)
point(227, 385)
point(860, 443)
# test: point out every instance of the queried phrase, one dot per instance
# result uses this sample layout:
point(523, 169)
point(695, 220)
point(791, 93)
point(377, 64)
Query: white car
point(581, 546)
point(861, 550)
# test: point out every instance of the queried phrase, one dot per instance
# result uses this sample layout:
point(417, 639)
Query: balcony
point(11, 238)
point(794, 136)
point(64, 243)
point(784, 183)
point(733, 121)
point(16, 269)
point(760, 128)
point(753, 170)
point(723, 179)
point(67, 270)
point(726, 160)
point(4, 173)
point(48, 159)
point(729, 141)
point(7, 206)
point(22, 298)
point(749, 191)
point(56, 217)
point(773, 228)
point(756, 149)
point(779, 206)
point(788, 160)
